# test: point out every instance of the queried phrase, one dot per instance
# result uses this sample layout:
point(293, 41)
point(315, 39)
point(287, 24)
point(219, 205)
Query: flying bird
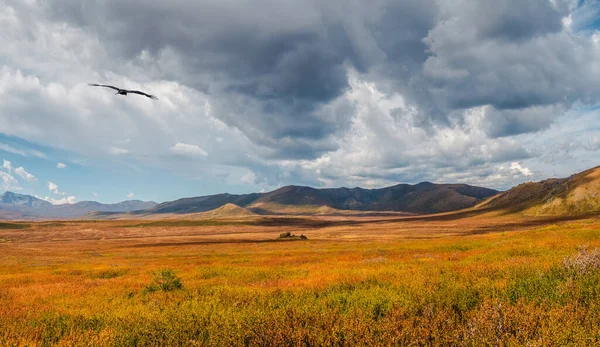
point(123, 91)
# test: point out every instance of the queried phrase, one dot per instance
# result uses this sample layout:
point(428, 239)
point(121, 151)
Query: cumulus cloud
point(523, 170)
point(65, 199)
point(9, 182)
point(20, 171)
point(130, 195)
point(7, 165)
point(53, 188)
point(381, 92)
point(188, 150)
point(61, 166)
point(61, 201)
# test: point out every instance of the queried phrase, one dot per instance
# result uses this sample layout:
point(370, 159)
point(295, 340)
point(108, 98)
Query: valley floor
point(454, 279)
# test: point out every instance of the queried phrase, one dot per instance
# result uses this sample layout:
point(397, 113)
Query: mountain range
point(578, 194)
point(424, 197)
point(19, 206)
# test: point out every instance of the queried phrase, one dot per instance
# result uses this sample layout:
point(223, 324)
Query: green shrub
point(164, 280)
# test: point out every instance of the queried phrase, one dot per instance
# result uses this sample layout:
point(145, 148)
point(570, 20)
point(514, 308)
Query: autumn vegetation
point(482, 280)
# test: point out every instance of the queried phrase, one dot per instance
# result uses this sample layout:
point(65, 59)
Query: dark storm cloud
point(514, 122)
point(285, 52)
point(511, 55)
point(510, 76)
point(283, 60)
point(511, 20)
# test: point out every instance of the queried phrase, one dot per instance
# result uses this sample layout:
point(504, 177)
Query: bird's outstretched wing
point(142, 93)
point(103, 85)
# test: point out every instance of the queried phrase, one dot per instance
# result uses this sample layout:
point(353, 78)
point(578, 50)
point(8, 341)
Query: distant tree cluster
point(288, 235)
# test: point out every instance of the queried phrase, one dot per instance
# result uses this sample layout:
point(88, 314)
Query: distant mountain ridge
point(10, 198)
point(424, 197)
point(21, 206)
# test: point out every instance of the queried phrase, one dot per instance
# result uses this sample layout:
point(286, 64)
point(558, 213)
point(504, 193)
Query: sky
point(255, 95)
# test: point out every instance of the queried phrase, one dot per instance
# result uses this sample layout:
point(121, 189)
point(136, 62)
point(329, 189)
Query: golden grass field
point(454, 279)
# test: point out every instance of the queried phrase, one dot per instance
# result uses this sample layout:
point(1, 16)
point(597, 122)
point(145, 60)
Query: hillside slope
point(578, 194)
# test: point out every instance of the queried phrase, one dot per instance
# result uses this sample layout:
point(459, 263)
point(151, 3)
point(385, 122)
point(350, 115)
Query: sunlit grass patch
point(54, 327)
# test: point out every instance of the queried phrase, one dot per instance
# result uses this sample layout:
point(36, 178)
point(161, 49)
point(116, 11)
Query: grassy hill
point(226, 211)
point(578, 194)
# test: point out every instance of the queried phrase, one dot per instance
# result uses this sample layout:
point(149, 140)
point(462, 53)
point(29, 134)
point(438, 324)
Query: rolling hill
point(228, 210)
point(203, 203)
point(578, 194)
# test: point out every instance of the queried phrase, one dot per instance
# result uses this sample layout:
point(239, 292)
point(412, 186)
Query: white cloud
point(523, 170)
point(37, 154)
point(9, 182)
point(117, 151)
point(61, 166)
point(567, 22)
point(459, 151)
point(130, 195)
point(25, 175)
point(249, 177)
point(54, 188)
point(19, 171)
point(95, 194)
point(66, 199)
point(12, 150)
point(62, 201)
point(7, 165)
point(22, 152)
point(189, 150)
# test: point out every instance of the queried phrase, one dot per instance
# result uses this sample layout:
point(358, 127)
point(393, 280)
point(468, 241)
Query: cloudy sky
point(256, 94)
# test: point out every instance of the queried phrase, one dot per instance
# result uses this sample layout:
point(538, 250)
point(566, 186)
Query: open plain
point(457, 278)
